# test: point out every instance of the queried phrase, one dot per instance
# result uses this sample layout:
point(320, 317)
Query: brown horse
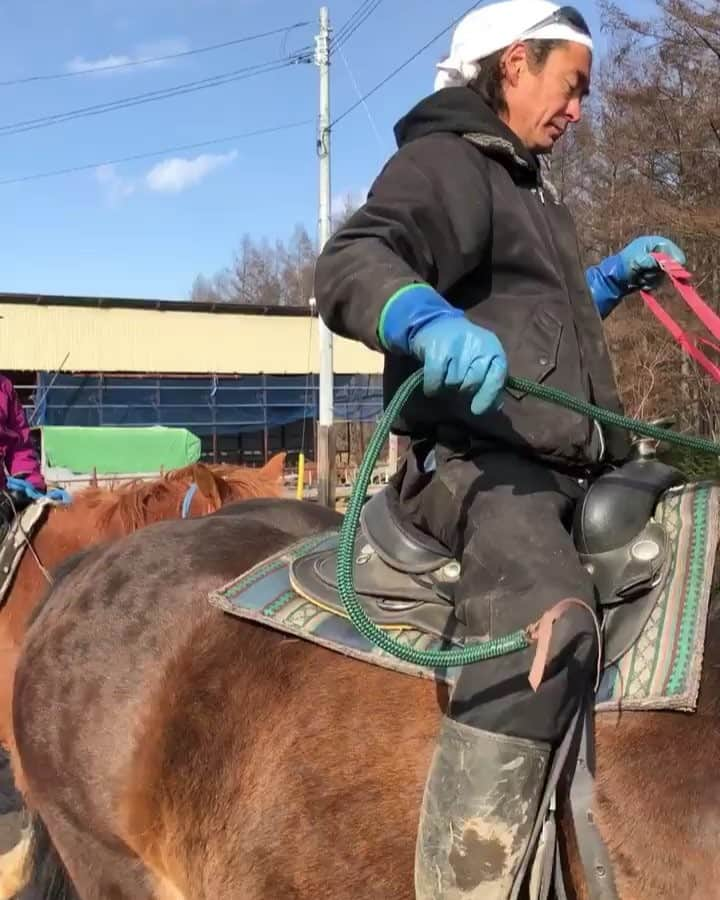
point(171, 752)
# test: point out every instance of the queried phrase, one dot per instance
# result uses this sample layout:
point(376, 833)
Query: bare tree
point(265, 274)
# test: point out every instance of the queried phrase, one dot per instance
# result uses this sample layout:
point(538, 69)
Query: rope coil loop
point(517, 640)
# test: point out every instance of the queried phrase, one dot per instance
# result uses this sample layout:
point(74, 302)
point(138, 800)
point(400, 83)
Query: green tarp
point(110, 451)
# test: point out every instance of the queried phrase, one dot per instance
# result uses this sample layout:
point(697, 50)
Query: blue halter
point(187, 501)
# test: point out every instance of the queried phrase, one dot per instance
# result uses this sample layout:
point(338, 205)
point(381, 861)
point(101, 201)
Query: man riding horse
point(465, 260)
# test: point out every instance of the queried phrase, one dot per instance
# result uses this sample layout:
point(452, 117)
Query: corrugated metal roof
point(163, 305)
point(149, 336)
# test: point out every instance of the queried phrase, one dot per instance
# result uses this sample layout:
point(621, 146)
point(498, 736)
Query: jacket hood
point(459, 110)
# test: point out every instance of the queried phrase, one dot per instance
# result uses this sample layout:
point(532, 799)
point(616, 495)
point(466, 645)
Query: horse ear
point(207, 484)
point(274, 467)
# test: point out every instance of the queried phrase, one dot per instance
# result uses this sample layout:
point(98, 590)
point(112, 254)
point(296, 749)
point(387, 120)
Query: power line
point(361, 15)
point(354, 83)
point(346, 37)
point(404, 65)
point(140, 99)
point(138, 156)
point(152, 96)
point(351, 19)
point(153, 59)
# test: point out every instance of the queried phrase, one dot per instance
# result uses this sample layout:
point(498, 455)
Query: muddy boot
point(481, 797)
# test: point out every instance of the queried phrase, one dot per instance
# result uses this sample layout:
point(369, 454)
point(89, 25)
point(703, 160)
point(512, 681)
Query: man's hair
point(489, 84)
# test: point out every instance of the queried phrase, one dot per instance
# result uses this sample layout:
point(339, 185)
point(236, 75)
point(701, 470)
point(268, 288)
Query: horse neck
point(97, 515)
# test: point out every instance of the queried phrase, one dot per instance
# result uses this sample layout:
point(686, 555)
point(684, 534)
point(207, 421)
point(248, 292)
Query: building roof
point(163, 305)
point(116, 335)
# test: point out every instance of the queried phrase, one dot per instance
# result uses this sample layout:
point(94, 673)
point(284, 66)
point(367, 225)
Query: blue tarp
point(205, 405)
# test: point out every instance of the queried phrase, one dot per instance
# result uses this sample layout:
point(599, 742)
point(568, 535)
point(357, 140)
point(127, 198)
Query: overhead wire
point(178, 90)
point(356, 86)
point(178, 148)
point(361, 15)
point(150, 60)
point(396, 71)
point(304, 55)
point(351, 19)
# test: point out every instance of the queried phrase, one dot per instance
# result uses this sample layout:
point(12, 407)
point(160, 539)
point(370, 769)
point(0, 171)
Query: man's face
point(542, 103)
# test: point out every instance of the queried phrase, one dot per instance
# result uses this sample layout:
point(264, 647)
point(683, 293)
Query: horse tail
point(47, 877)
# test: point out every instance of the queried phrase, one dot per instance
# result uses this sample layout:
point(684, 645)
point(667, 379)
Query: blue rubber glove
point(23, 487)
point(644, 271)
point(455, 353)
point(630, 270)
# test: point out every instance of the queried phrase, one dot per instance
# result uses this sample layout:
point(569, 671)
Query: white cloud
point(117, 187)
point(171, 176)
point(175, 175)
point(78, 64)
point(109, 65)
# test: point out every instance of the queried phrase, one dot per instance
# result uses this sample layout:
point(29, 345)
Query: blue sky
point(146, 228)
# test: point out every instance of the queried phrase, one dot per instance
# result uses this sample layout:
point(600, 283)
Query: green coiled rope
point(511, 643)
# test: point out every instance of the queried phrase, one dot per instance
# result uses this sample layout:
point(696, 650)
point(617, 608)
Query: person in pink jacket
point(17, 453)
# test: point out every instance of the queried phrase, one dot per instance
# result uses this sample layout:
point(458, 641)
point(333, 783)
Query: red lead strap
point(680, 279)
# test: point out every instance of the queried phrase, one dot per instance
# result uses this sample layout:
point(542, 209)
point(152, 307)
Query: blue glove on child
point(455, 353)
point(630, 270)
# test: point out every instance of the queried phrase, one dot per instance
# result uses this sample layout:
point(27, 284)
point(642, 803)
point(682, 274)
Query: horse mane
point(122, 509)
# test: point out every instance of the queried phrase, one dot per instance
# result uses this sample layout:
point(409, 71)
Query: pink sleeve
point(24, 460)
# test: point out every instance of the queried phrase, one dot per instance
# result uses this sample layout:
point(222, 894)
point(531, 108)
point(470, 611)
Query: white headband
point(494, 27)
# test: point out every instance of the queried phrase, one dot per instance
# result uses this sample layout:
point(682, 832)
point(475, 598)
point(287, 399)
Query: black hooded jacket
point(463, 206)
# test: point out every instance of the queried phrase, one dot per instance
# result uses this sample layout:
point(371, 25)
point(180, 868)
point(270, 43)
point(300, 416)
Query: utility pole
point(326, 427)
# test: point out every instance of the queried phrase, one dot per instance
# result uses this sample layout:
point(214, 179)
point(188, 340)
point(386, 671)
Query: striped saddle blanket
point(661, 670)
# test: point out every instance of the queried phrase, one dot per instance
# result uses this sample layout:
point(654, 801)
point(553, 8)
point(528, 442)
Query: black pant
point(508, 520)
